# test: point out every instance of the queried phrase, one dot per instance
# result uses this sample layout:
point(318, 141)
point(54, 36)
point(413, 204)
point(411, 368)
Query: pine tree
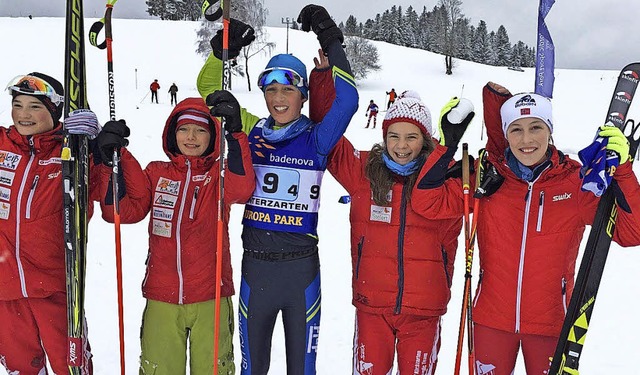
point(503, 47)
point(408, 28)
point(351, 26)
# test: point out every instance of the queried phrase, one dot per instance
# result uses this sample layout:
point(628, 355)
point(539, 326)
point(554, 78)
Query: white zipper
point(30, 199)
point(23, 283)
point(193, 202)
point(523, 245)
point(178, 224)
point(564, 295)
point(540, 211)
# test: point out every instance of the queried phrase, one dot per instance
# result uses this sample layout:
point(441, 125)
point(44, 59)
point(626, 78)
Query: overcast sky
point(588, 34)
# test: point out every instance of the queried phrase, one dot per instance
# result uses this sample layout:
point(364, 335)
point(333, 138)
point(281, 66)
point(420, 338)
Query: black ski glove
point(113, 135)
point(240, 35)
point(224, 104)
point(451, 132)
point(490, 182)
point(316, 18)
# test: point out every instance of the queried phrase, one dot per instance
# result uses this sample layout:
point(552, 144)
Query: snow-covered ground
point(148, 49)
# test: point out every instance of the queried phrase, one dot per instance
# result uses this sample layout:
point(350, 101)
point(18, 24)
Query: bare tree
point(362, 56)
point(454, 13)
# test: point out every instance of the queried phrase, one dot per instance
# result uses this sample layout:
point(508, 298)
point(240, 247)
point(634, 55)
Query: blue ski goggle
point(283, 76)
point(31, 85)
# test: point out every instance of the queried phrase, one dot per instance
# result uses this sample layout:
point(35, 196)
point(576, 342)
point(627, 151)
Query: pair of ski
point(576, 324)
point(75, 172)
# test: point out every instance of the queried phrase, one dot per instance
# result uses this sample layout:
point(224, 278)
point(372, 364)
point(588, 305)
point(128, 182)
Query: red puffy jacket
point(529, 234)
point(32, 251)
point(401, 261)
point(182, 196)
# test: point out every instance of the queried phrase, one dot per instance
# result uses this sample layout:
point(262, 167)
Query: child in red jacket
point(182, 197)
point(529, 230)
point(33, 298)
point(402, 262)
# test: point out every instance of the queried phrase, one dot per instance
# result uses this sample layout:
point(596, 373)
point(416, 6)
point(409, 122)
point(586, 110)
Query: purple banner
point(545, 54)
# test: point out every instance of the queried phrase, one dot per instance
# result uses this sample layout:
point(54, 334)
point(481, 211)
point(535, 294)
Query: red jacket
point(182, 196)
point(154, 86)
point(32, 251)
point(401, 261)
point(529, 235)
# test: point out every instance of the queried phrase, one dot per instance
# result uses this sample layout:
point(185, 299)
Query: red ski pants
point(29, 327)
point(496, 351)
point(416, 339)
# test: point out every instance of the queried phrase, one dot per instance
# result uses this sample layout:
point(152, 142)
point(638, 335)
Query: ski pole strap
point(98, 25)
point(212, 10)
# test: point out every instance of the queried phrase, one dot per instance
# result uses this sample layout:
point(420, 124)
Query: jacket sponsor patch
point(162, 213)
point(162, 228)
point(561, 197)
point(6, 177)
point(5, 194)
point(198, 178)
point(9, 160)
point(379, 213)
point(164, 200)
point(168, 186)
point(4, 210)
point(50, 161)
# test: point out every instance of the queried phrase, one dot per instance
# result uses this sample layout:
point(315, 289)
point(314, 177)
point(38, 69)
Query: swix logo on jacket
point(561, 197)
point(288, 178)
point(9, 160)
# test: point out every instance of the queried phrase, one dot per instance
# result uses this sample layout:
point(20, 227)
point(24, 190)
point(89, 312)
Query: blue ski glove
point(452, 127)
point(82, 122)
point(617, 143)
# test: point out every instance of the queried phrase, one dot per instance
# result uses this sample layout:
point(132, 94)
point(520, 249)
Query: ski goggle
point(283, 76)
point(31, 85)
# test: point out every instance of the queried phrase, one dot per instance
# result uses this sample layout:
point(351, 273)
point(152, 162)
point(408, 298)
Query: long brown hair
point(381, 179)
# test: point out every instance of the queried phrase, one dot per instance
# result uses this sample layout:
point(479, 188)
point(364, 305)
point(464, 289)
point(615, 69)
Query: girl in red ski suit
point(529, 233)
point(33, 317)
point(402, 262)
point(181, 196)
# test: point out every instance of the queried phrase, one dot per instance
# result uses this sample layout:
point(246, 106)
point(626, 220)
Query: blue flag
point(545, 54)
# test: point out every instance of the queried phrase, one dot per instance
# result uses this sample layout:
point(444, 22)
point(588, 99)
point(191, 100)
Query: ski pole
point(95, 29)
point(212, 12)
point(463, 312)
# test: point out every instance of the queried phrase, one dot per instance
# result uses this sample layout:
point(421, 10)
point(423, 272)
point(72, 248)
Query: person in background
point(527, 262)
point(33, 297)
point(173, 90)
point(154, 87)
point(392, 97)
point(182, 196)
point(372, 112)
point(280, 266)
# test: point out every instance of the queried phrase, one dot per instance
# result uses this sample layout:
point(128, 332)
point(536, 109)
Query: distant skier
point(372, 111)
point(173, 90)
point(154, 87)
point(392, 97)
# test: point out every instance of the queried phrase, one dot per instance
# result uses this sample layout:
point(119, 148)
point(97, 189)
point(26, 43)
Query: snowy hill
point(148, 49)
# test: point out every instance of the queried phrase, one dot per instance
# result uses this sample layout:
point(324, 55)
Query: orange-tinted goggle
point(31, 85)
